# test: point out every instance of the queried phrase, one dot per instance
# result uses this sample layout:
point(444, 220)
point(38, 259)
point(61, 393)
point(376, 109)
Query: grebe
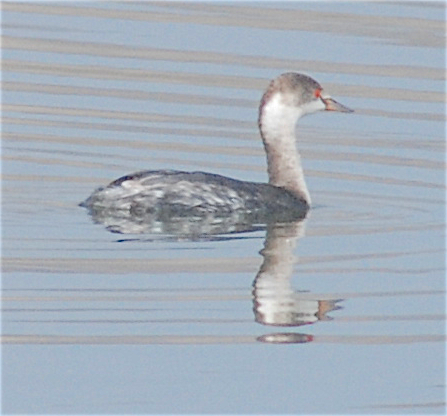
point(169, 194)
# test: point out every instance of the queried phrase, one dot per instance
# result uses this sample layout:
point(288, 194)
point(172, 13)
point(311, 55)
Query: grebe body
point(169, 194)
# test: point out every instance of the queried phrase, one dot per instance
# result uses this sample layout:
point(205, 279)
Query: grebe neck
point(277, 122)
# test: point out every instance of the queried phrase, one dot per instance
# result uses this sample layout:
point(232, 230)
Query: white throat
point(277, 122)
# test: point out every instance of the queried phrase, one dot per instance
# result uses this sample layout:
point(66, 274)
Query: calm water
point(341, 313)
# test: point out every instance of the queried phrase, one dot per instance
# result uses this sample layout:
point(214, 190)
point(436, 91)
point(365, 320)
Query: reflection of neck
point(275, 301)
point(278, 251)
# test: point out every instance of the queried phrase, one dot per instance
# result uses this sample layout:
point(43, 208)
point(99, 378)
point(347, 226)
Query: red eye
point(317, 93)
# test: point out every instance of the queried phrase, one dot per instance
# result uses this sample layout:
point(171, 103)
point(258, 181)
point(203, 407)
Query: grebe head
point(292, 95)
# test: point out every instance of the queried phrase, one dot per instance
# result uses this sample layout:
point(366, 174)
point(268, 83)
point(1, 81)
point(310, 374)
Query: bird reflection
point(188, 226)
point(275, 301)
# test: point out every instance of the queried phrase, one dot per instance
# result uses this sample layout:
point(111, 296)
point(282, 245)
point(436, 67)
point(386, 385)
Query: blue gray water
point(342, 313)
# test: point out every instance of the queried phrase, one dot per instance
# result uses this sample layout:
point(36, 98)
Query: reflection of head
point(280, 309)
point(287, 309)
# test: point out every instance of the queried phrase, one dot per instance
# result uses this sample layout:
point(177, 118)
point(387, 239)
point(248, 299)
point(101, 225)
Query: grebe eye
point(317, 93)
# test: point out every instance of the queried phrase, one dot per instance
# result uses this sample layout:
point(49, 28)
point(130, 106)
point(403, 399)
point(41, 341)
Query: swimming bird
point(169, 194)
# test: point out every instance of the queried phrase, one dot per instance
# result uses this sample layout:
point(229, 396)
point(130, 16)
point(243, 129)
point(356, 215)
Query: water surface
point(341, 313)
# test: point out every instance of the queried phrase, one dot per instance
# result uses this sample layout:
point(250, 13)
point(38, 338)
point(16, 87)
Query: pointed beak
point(332, 105)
